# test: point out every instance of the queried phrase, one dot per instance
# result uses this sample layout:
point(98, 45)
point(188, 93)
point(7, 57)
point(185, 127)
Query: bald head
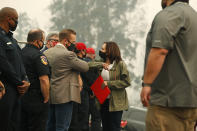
point(35, 34)
point(8, 12)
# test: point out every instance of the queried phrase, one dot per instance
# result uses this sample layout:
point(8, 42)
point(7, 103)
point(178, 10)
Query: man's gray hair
point(51, 35)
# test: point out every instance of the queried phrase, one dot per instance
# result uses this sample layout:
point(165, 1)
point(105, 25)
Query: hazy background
point(95, 21)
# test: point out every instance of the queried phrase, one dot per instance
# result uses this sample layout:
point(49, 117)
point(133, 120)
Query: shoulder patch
point(44, 60)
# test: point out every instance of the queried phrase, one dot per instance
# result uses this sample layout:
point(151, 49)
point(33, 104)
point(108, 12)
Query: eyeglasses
point(71, 42)
point(54, 40)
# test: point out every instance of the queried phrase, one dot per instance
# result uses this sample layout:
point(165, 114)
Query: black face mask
point(84, 55)
point(76, 51)
point(102, 55)
point(71, 47)
point(13, 28)
point(41, 45)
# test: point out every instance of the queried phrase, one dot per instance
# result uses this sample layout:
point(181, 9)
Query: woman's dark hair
point(113, 52)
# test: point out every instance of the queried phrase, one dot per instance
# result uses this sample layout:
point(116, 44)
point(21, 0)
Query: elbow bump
point(86, 68)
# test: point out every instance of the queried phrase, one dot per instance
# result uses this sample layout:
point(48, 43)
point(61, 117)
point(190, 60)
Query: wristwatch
point(1, 89)
point(146, 84)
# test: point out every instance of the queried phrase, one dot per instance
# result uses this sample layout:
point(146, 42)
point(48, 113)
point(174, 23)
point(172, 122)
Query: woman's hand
point(105, 66)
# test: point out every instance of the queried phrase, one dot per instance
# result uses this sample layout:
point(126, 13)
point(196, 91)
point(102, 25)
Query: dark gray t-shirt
point(175, 29)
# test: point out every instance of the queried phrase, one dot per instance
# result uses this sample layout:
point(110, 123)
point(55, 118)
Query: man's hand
point(80, 83)
point(46, 99)
point(2, 93)
point(145, 95)
point(45, 85)
point(105, 66)
point(22, 89)
point(80, 88)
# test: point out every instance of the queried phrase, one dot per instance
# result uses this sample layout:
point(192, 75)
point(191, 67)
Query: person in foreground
point(13, 76)
point(170, 83)
point(116, 76)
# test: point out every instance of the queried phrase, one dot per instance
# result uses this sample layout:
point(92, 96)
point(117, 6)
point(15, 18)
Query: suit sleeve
point(95, 65)
point(76, 63)
point(7, 69)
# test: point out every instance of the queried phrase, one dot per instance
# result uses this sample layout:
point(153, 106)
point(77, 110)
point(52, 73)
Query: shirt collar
point(10, 33)
point(2, 31)
point(45, 48)
point(59, 44)
point(33, 46)
point(5, 33)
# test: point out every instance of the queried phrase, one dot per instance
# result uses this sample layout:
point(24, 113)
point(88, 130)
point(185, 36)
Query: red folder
point(100, 90)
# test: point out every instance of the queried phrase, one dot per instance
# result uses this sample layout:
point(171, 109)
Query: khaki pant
point(170, 119)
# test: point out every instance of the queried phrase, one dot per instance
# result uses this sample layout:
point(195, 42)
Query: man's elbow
point(44, 80)
point(85, 68)
point(160, 51)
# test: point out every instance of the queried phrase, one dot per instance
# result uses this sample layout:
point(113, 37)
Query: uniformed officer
point(35, 101)
point(13, 74)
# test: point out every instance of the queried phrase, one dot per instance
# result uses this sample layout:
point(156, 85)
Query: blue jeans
point(59, 117)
